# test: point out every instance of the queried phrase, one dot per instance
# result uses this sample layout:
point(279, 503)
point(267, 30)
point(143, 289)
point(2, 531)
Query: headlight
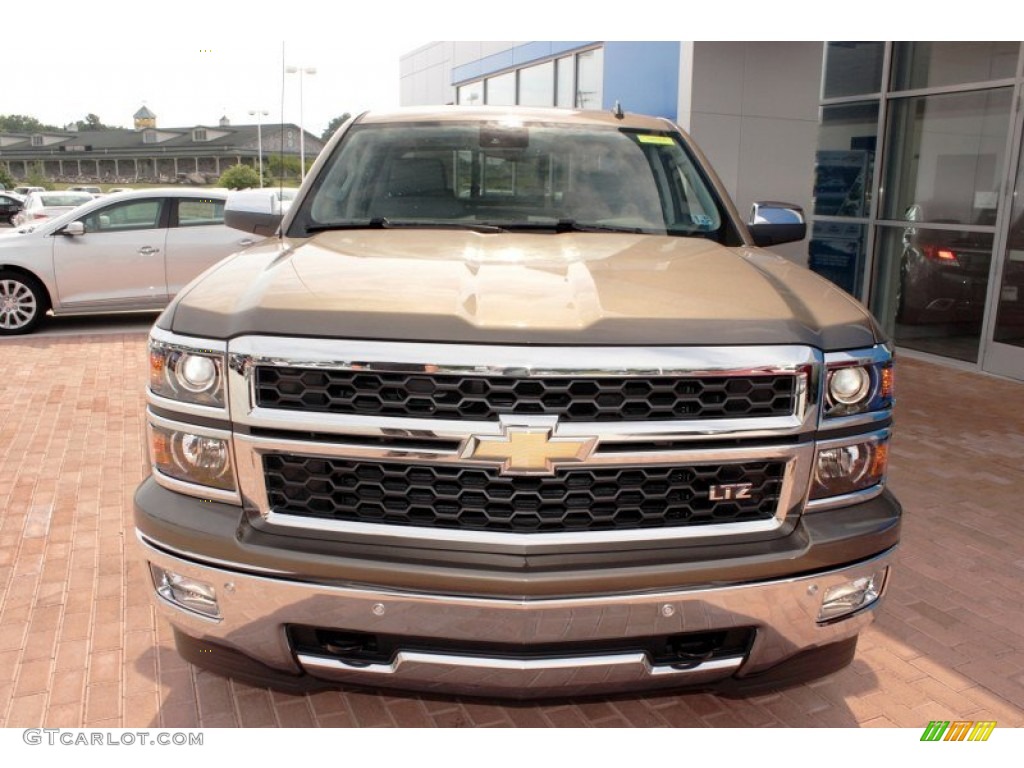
point(858, 388)
point(849, 385)
point(189, 375)
point(852, 467)
point(191, 458)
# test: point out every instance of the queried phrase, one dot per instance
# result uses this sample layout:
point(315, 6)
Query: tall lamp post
point(260, 113)
point(302, 131)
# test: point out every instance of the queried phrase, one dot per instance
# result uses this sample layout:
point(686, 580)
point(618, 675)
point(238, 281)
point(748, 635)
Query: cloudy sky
point(195, 67)
point(191, 61)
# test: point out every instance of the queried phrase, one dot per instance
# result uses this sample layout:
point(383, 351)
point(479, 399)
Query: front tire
point(23, 303)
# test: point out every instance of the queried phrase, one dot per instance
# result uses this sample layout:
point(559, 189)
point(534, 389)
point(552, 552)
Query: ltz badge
point(731, 492)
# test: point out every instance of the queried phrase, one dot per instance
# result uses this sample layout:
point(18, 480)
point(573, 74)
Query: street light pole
point(260, 113)
point(302, 131)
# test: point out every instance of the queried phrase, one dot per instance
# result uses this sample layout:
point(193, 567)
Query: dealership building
point(905, 156)
point(149, 152)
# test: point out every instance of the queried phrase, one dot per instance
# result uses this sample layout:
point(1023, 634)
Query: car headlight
point(851, 466)
point(852, 388)
point(189, 375)
point(192, 458)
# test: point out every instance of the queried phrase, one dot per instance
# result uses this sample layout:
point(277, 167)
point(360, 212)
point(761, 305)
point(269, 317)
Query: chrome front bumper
point(255, 611)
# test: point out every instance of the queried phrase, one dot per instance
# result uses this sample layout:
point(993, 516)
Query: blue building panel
point(643, 77)
point(513, 57)
point(543, 49)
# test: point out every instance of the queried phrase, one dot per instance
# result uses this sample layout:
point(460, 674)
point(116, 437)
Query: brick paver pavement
point(80, 645)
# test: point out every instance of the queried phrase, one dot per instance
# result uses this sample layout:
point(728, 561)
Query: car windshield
point(553, 177)
point(64, 198)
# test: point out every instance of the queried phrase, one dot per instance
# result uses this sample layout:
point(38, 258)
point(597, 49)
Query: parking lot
point(80, 645)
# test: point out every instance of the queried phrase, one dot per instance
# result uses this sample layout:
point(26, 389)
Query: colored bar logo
point(958, 730)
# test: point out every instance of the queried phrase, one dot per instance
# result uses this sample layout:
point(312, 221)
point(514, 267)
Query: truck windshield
point(536, 177)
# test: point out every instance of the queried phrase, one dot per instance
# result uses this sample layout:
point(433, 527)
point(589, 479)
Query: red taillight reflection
point(945, 255)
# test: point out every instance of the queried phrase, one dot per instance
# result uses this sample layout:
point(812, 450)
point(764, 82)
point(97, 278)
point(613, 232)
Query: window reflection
point(836, 252)
point(566, 73)
point(947, 157)
point(589, 73)
point(853, 69)
point(537, 85)
point(845, 160)
point(930, 287)
point(501, 90)
point(1010, 313)
point(471, 95)
point(931, 64)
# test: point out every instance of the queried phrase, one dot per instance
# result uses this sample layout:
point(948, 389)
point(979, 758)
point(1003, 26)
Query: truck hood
point(511, 288)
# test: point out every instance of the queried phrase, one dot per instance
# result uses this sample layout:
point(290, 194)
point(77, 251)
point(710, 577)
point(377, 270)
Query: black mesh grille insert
point(480, 398)
point(593, 499)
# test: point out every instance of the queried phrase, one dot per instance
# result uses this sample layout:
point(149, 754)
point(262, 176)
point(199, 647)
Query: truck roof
point(525, 114)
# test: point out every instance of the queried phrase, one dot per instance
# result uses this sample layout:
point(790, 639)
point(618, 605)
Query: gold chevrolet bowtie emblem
point(528, 450)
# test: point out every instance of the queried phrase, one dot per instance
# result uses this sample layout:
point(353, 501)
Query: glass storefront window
point(929, 288)
point(565, 73)
point(836, 252)
point(471, 95)
point(932, 64)
point(946, 160)
point(589, 78)
point(1009, 328)
point(501, 90)
point(537, 85)
point(853, 69)
point(845, 160)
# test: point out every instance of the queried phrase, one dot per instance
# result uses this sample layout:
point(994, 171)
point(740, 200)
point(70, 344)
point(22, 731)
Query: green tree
point(36, 178)
point(23, 124)
point(5, 177)
point(282, 166)
point(240, 177)
point(92, 122)
point(334, 125)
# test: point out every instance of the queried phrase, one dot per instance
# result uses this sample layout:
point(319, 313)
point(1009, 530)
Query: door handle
point(146, 250)
point(245, 243)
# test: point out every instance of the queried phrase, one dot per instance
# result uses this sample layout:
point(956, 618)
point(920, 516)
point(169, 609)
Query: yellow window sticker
point(645, 138)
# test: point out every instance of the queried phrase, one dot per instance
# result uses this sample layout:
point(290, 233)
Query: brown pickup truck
point(513, 404)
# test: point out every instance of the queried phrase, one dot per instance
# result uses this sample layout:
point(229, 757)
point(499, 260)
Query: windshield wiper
point(569, 225)
point(379, 222)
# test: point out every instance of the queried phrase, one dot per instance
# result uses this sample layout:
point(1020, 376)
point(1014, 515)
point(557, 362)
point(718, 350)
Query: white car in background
point(40, 206)
point(128, 252)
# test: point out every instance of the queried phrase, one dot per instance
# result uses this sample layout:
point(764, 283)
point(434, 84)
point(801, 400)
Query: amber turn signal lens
point(887, 385)
point(157, 366)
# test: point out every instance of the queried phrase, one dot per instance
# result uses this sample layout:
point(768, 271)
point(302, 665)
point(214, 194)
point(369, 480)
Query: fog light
point(851, 596)
point(187, 593)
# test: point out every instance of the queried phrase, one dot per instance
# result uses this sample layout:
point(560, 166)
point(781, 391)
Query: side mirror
point(776, 223)
point(73, 229)
point(253, 210)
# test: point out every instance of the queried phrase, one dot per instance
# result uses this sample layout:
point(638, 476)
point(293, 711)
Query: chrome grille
point(478, 499)
point(482, 398)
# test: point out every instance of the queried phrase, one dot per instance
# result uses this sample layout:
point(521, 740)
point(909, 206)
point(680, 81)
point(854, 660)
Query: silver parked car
point(128, 252)
point(40, 206)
